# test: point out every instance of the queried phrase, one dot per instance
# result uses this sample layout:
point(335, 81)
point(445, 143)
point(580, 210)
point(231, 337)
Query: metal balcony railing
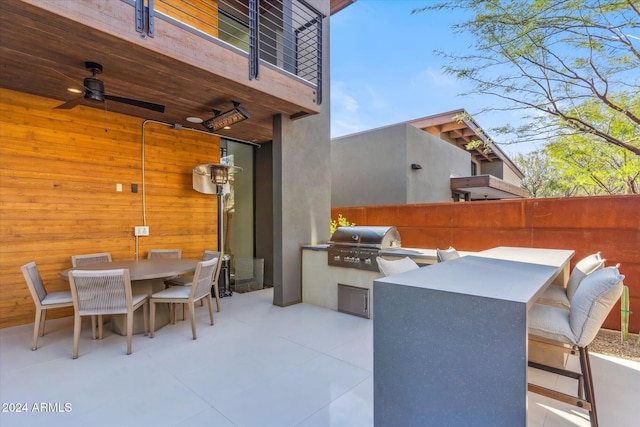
point(285, 34)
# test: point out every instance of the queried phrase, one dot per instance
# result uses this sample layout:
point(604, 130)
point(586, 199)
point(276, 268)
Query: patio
point(260, 365)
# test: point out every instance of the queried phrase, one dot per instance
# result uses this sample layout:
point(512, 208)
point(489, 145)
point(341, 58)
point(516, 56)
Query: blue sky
point(384, 69)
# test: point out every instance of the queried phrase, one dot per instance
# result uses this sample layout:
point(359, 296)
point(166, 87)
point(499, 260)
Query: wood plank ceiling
point(33, 41)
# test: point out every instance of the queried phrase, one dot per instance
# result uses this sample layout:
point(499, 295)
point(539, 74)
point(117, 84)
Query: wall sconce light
point(416, 166)
point(228, 118)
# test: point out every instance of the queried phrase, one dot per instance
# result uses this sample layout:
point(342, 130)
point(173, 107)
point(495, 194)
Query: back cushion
point(583, 268)
point(592, 302)
point(390, 267)
point(447, 254)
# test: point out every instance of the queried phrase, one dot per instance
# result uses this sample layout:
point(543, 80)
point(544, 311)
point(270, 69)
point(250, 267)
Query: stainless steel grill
point(358, 247)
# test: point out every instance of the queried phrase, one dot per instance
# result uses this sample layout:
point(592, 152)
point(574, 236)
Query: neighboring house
point(79, 170)
point(421, 161)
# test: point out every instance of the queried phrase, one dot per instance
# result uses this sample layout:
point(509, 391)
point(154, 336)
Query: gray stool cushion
point(390, 267)
point(559, 296)
point(582, 269)
point(593, 301)
point(447, 254)
point(550, 322)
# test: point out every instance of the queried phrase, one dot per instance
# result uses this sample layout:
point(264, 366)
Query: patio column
point(301, 189)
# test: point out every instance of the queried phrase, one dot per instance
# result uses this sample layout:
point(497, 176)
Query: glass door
point(238, 217)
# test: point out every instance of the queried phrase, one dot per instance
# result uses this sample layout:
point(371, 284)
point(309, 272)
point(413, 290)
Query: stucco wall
point(501, 170)
point(511, 177)
point(494, 168)
point(374, 167)
point(439, 160)
point(369, 168)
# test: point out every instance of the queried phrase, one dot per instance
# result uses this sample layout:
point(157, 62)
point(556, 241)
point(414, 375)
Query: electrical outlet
point(141, 231)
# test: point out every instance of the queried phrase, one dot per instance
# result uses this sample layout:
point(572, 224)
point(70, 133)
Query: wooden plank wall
point(608, 224)
point(200, 15)
point(58, 176)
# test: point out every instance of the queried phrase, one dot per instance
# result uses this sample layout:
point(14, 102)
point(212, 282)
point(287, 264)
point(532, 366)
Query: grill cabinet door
point(353, 300)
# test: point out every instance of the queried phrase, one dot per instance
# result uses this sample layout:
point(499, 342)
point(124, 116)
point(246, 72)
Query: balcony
point(259, 365)
point(193, 57)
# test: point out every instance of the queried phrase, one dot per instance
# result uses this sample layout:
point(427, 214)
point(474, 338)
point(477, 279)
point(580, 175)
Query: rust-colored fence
point(608, 224)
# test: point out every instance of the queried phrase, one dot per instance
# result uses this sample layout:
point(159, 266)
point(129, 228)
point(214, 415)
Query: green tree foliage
point(597, 168)
point(546, 57)
point(581, 165)
point(541, 178)
point(341, 222)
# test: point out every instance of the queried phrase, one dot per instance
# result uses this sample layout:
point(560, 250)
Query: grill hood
point(381, 237)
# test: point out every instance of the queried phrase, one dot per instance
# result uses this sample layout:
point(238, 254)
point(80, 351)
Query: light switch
point(119, 188)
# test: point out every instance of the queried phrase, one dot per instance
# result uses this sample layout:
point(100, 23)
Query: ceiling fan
point(94, 91)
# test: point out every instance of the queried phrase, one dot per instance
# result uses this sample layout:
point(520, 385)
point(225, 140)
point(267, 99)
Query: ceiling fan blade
point(68, 79)
point(70, 104)
point(135, 102)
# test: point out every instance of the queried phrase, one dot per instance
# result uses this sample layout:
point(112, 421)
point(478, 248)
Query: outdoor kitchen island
point(320, 280)
point(450, 340)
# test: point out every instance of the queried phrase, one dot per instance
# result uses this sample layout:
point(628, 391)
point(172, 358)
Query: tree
point(597, 168)
point(540, 178)
point(574, 165)
point(545, 57)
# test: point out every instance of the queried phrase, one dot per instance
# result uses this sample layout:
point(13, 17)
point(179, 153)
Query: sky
point(384, 69)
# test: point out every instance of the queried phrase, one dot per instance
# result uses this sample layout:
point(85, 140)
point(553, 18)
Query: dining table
point(147, 277)
point(450, 339)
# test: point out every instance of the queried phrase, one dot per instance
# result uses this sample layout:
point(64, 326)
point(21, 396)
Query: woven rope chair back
point(101, 291)
point(164, 254)
point(34, 281)
point(90, 259)
point(203, 277)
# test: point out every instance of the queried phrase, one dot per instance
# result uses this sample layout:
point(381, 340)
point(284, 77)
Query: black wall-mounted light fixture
point(416, 166)
point(226, 119)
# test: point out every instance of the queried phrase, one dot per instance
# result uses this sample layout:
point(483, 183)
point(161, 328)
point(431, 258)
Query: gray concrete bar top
point(450, 341)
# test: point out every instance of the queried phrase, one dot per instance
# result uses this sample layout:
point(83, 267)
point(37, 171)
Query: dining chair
point(443, 255)
point(560, 296)
point(100, 292)
point(199, 289)
point(164, 253)
point(42, 299)
point(389, 267)
point(571, 331)
point(186, 280)
point(88, 259)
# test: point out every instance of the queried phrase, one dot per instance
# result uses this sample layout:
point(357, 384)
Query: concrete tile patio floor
point(260, 365)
